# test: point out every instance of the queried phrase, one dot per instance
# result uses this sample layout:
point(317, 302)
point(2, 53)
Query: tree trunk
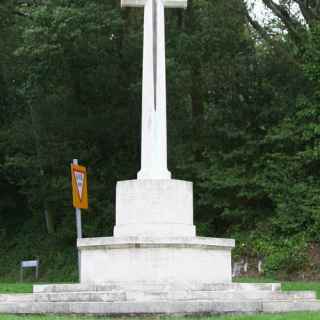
point(197, 112)
point(196, 92)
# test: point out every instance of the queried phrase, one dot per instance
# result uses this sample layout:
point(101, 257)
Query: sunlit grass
point(15, 287)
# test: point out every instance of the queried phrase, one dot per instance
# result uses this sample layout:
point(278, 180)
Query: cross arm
point(167, 3)
point(133, 3)
point(176, 3)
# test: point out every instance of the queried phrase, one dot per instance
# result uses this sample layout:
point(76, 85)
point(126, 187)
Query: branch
point(315, 10)
point(269, 40)
point(318, 7)
point(257, 26)
point(293, 26)
point(310, 14)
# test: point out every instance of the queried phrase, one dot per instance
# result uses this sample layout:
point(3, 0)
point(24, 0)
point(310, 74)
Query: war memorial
point(155, 263)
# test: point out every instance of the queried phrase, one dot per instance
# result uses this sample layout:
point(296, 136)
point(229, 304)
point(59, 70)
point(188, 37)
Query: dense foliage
point(243, 122)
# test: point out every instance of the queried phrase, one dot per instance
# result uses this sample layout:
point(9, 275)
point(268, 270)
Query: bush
point(282, 258)
point(287, 259)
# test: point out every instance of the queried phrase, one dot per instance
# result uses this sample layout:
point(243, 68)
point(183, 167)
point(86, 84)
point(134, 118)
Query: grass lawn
point(15, 287)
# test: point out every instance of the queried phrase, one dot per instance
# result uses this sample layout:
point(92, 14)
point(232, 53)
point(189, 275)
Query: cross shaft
point(154, 109)
point(155, 50)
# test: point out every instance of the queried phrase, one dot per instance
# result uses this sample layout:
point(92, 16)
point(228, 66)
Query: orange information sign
point(79, 186)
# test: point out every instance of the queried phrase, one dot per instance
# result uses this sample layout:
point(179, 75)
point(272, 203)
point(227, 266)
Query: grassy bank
point(15, 287)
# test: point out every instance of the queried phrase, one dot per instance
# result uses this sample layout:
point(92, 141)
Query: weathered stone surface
point(153, 295)
point(156, 208)
point(171, 259)
point(167, 3)
point(155, 242)
point(122, 298)
point(290, 306)
point(110, 296)
point(16, 297)
point(158, 307)
point(157, 286)
point(127, 308)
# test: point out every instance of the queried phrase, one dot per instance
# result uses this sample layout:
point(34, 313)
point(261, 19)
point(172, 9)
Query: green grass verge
point(15, 287)
point(254, 280)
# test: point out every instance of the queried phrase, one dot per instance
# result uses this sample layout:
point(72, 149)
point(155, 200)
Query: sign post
point(29, 264)
point(80, 198)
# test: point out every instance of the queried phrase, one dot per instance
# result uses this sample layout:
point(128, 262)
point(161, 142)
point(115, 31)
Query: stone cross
point(154, 105)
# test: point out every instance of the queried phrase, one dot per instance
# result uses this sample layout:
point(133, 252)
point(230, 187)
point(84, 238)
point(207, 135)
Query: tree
point(296, 17)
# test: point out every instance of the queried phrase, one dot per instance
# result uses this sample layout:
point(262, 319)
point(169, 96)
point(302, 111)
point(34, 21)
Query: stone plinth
point(171, 260)
point(155, 240)
point(157, 208)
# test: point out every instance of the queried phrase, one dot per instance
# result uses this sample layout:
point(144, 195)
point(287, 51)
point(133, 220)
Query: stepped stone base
point(168, 270)
point(123, 298)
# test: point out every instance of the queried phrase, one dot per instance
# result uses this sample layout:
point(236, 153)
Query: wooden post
point(21, 273)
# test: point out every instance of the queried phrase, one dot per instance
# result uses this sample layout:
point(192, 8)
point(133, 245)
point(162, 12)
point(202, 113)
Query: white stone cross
point(154, 103)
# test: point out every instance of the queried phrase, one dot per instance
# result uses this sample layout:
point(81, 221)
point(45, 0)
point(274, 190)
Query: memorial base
point(143, 298)
point(155, 264)
point(172, 260)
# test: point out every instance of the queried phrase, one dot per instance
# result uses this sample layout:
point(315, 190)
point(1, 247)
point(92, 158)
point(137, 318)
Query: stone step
point(145, 286)
point(290, 306)
point(21, 297)
point(93, 296)
point(243, 295)
point(131, 308)
point(118, 296)
point(136, 296)
point(159, 307)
